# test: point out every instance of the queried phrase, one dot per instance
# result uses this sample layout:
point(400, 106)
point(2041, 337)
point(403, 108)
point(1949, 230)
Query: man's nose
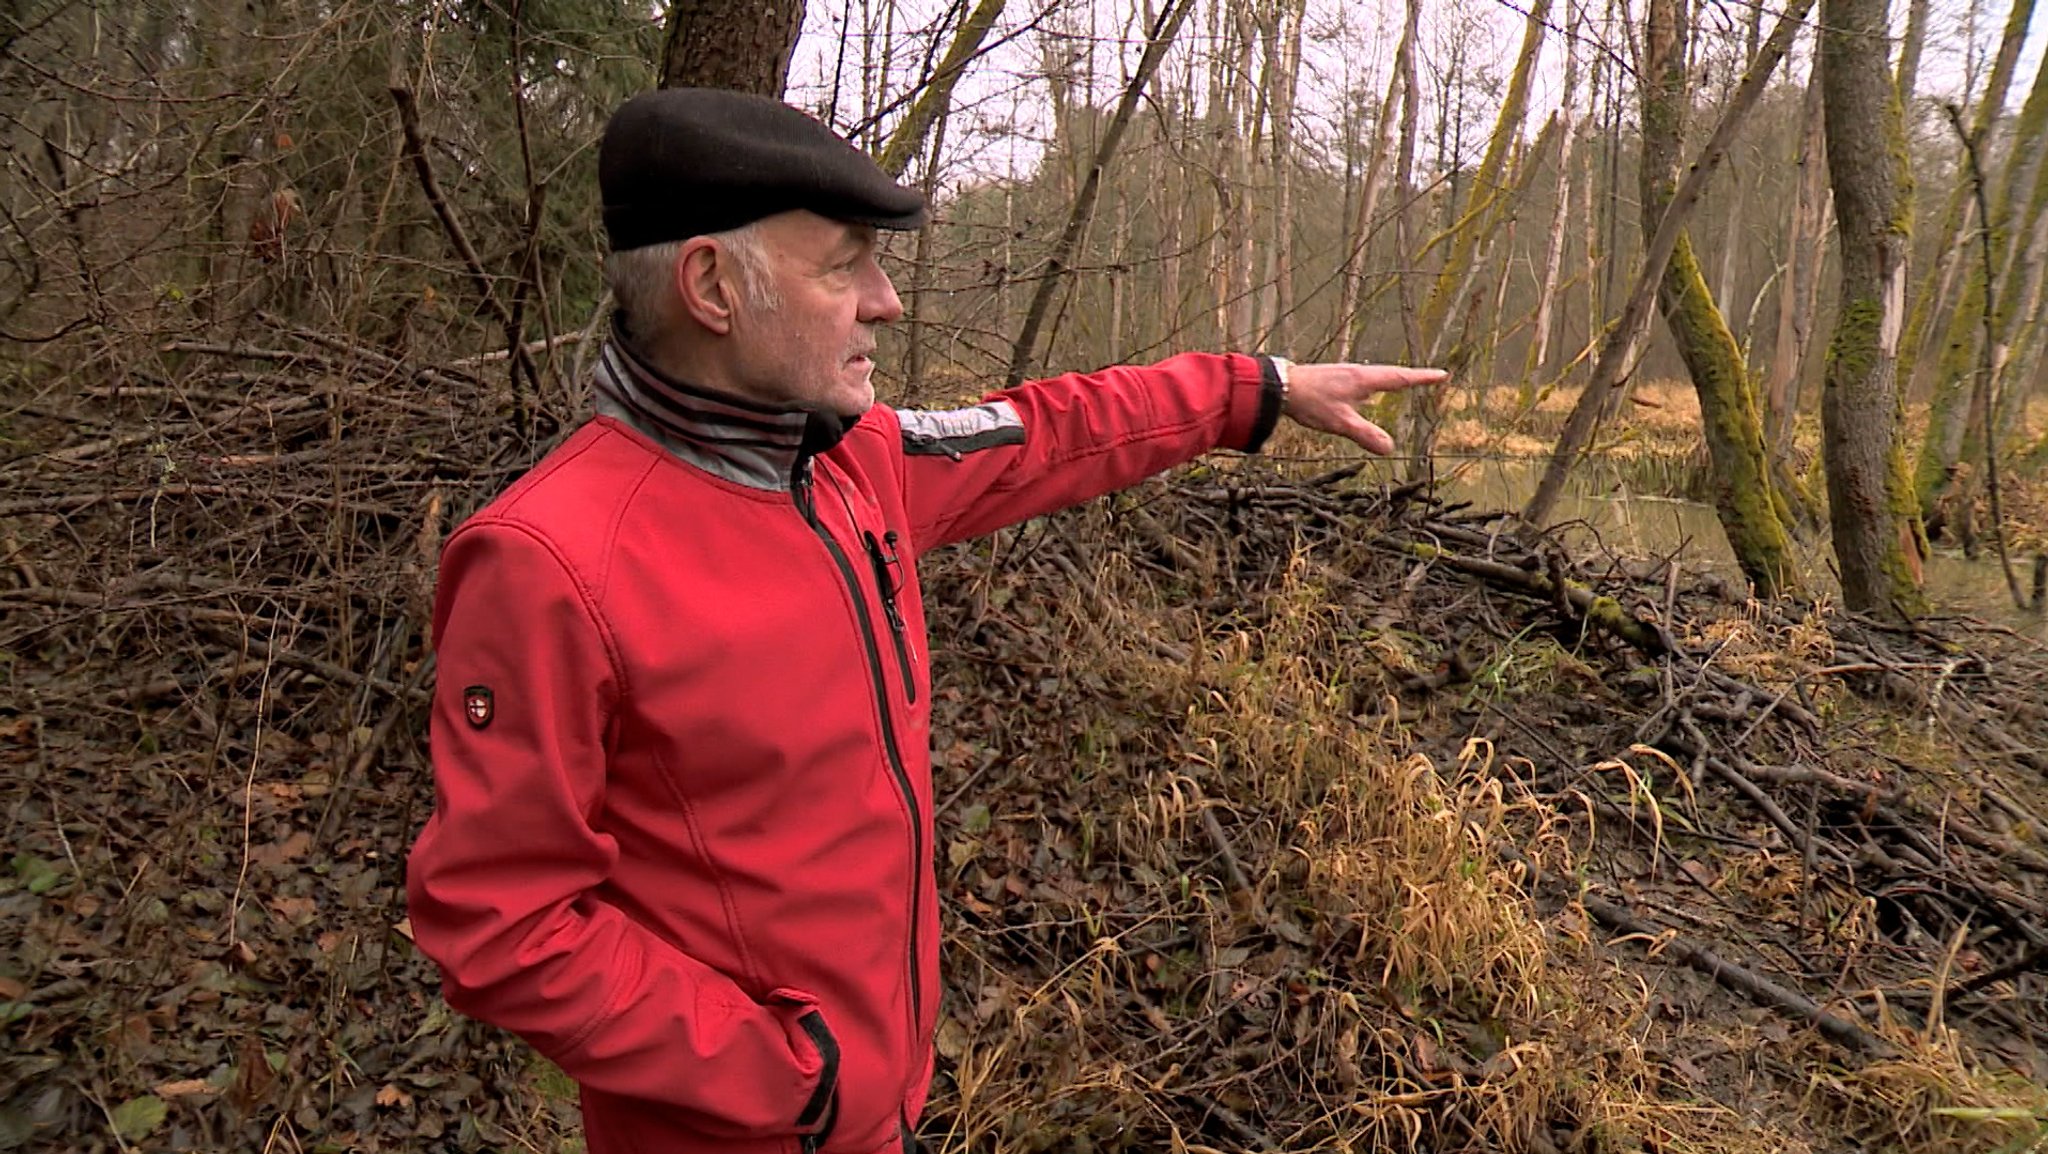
point(878, 302)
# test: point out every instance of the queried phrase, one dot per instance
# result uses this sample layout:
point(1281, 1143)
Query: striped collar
point(749, 444)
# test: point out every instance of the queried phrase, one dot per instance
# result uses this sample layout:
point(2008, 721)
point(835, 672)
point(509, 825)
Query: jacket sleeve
point(1049, 444)
point(505, 882)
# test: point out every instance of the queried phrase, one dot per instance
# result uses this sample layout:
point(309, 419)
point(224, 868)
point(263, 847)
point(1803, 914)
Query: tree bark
point(1929, 297)
point(743, 45)
point(1481, 219)
point(1870, 496)
point(1910, 48)
point(937, 95)
point(1617, 348)
point(1560, 217)
point(1162, 34)
point(1954, 417)
point(1751, 513)
point(1799, 285)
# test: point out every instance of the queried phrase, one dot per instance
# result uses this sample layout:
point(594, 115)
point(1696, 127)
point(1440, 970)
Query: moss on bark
point(1752, 512)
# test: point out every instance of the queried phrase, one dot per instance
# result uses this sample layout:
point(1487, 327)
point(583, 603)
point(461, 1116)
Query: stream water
point(1640, 524)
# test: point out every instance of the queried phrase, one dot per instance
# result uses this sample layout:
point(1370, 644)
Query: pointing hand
point(1326, 398)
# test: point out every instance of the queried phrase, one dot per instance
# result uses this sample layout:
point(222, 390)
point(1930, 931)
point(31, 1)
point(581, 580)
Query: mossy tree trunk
point(2020, 327)
point(935, 98)
point(1955, 417)
point(1870, 496)
point(1618, 346)
point(1470, 235)
point(1540, 328)
point(1752, 514)
point(1930, 297)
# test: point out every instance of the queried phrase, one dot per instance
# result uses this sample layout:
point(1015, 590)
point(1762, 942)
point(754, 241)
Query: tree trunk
point(1927, 301)
point(1350, 319)
point(937, 94)
point(1481, 219)
point(1870, 496)
point(1731, 246)
point(1955, 416)
point(1161, 37)
point(1174, 189)
point(921, 269)
point(743, 45)
point(1617, 348)
point(1560, 216)
point(1745, 499)
point(1909, 50)
point(1799, 286)
point(2016, 340)
point(1404, 185)
point(1287, 23)
point(1243, 242)
point(1589, 214)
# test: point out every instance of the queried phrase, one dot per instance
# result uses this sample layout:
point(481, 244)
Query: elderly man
point(682, 837)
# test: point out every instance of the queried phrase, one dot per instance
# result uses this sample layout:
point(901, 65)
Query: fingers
point(1354, 382)
point(1371, 438)
point(1394, 378)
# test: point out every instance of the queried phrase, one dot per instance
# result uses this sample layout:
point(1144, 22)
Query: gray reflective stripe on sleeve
point(953, 432)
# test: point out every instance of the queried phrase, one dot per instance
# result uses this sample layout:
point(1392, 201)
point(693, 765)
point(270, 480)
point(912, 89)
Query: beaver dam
point(1277, 813)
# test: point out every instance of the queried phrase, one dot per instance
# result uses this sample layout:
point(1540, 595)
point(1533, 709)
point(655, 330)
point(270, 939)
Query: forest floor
point(1280, 810)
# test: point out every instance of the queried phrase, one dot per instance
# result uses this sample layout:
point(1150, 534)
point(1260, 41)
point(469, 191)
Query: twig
point(415, 149)
point(1761, 990)
point(1233, 870)
point(1232, 1121)
point(344, 790)
point(2038, 956)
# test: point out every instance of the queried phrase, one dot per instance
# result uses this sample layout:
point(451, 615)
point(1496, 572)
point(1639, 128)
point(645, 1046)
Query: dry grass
point(1387, 984)
point(1383, 981)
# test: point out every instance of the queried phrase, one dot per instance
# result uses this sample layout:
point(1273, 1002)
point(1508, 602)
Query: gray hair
point(642, 279)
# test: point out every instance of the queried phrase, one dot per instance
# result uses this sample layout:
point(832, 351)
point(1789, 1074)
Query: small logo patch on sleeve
point(478, 705)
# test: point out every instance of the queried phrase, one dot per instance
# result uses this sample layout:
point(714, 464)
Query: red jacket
point(682, 834)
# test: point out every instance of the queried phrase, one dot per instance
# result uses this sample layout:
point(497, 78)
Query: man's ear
point(705, 284)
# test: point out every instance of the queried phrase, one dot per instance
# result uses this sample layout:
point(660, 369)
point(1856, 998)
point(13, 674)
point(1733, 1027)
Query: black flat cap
point(681, 162)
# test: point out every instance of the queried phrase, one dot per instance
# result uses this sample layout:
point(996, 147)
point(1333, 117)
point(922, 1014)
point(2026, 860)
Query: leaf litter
point(1278, 812)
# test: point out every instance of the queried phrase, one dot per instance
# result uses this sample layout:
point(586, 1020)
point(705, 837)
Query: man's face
point(816, 348)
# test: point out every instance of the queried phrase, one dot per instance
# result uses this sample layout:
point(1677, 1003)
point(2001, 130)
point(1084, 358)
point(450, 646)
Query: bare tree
point(1618, 347)
point(936, 96)
point(1956, 413)
point(1553, 254)
point(1484, 215)
point(1159, 38)
point(1799, 276)
point(1870, 497)
point(1932, 297)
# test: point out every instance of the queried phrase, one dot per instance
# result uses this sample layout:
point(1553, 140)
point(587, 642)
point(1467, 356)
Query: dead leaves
point(282, 852)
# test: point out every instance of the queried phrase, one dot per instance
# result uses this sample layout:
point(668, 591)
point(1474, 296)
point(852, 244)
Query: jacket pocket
point(821, 1110)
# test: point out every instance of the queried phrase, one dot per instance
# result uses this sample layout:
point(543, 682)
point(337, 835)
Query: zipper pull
point(800, 487)
point(885, 582)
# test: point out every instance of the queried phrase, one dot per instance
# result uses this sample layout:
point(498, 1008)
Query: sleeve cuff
point(1266, 416)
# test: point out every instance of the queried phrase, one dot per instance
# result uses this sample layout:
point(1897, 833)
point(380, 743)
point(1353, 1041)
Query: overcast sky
point(1000, 114)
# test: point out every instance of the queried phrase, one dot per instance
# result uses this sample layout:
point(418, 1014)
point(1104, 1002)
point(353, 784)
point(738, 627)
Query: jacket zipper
point(801, 492)
point(882, 554)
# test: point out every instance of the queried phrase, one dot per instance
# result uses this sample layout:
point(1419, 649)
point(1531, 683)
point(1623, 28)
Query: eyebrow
point(858, 239)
